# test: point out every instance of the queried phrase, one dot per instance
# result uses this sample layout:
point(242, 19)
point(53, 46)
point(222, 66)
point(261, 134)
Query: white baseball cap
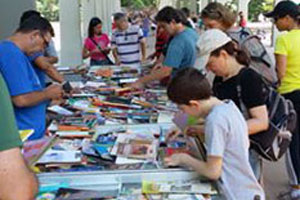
point(209, 41)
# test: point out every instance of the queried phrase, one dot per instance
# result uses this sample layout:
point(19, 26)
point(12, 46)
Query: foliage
point(49, 9)
point(256, 7)
point(138, 4)
point(233, 4)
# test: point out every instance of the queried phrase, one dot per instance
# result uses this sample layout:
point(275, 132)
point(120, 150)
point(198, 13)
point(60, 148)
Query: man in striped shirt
point(128, 43)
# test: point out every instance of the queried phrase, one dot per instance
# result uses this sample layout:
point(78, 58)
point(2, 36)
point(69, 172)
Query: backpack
point(274, 142)
point(261, 61)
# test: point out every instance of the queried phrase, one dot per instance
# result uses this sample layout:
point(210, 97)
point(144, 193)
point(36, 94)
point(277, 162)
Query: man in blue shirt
point(43, 61)
point(28, 96)
point(181, 51)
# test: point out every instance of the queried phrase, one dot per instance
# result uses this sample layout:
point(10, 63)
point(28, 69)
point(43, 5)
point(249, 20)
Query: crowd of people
point(231, 109)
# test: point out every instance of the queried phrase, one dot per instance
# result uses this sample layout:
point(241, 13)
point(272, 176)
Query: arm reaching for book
point(211, 169)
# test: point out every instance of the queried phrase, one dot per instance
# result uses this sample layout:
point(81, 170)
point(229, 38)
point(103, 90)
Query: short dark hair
point(188, 84)
point(29, 13)
point(93, 22)
point(118, 16)
point(186, 11)
point(35, 23)
point(168, 13)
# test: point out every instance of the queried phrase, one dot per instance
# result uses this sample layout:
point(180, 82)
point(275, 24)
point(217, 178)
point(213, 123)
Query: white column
point(202, 4)
point(243, 6)
point(70, 32)
point(11, 11)
point(104, 9)
point(223, 1)
point(88, 8)
point(164, 3)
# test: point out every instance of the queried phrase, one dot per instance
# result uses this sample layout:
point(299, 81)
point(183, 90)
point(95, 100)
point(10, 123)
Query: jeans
point(256, 164)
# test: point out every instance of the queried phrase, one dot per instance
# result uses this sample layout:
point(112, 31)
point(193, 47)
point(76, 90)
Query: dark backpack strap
point(101, 50)
point(243, 107)
point(244, 33)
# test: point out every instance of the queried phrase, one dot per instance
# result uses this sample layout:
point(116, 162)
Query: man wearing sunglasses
point(28, 95)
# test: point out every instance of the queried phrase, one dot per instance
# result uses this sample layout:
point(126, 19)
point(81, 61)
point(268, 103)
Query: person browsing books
point(181, 51)
point(96, 44)
point(226, 137)
point(231, 67)
point(128, 42)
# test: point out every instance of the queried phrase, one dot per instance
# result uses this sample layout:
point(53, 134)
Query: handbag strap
point(99, 47)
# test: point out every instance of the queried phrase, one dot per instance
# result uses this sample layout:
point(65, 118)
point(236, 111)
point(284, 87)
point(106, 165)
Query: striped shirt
point(128, 45)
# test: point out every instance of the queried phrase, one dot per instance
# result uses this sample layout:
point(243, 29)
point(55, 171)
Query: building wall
point(11, 11)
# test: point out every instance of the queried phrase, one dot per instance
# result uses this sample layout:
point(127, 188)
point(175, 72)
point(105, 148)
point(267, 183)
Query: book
point(59, 156)
point(60, 110)
point(76, 194)
point(33, 150)
point(137, 149)
point(170, 151)
point(73, 128)
point(65, 144)
point(74, 134)
point(182, 187)
point(181, 120)
point(25, 134)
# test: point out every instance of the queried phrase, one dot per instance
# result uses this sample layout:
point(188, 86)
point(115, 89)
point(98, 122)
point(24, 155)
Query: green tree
point(49, 9)
point(256, 7)
point(138, 4)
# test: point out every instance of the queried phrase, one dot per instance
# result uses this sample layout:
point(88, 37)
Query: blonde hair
point(219, 12)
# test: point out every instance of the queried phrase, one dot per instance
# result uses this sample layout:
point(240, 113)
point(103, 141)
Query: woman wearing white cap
point(219, 54)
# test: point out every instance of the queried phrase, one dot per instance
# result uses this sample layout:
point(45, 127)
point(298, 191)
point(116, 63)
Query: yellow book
point(25, 134)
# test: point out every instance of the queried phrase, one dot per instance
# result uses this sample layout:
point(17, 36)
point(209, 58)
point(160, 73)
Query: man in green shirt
point(17, 181)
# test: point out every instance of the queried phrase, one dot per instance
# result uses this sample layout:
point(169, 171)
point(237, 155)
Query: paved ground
point(275, 178)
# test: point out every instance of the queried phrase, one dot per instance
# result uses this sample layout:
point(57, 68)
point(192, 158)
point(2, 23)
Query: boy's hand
point(197, 129)
point(173, 134)
point(194, 130)
point(176, 159)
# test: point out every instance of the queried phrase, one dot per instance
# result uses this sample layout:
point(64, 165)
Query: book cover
point(33, 150)
point(25, 134)
point(137, 149)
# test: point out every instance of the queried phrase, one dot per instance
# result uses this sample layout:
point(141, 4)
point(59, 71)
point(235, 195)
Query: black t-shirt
point(252, 88)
